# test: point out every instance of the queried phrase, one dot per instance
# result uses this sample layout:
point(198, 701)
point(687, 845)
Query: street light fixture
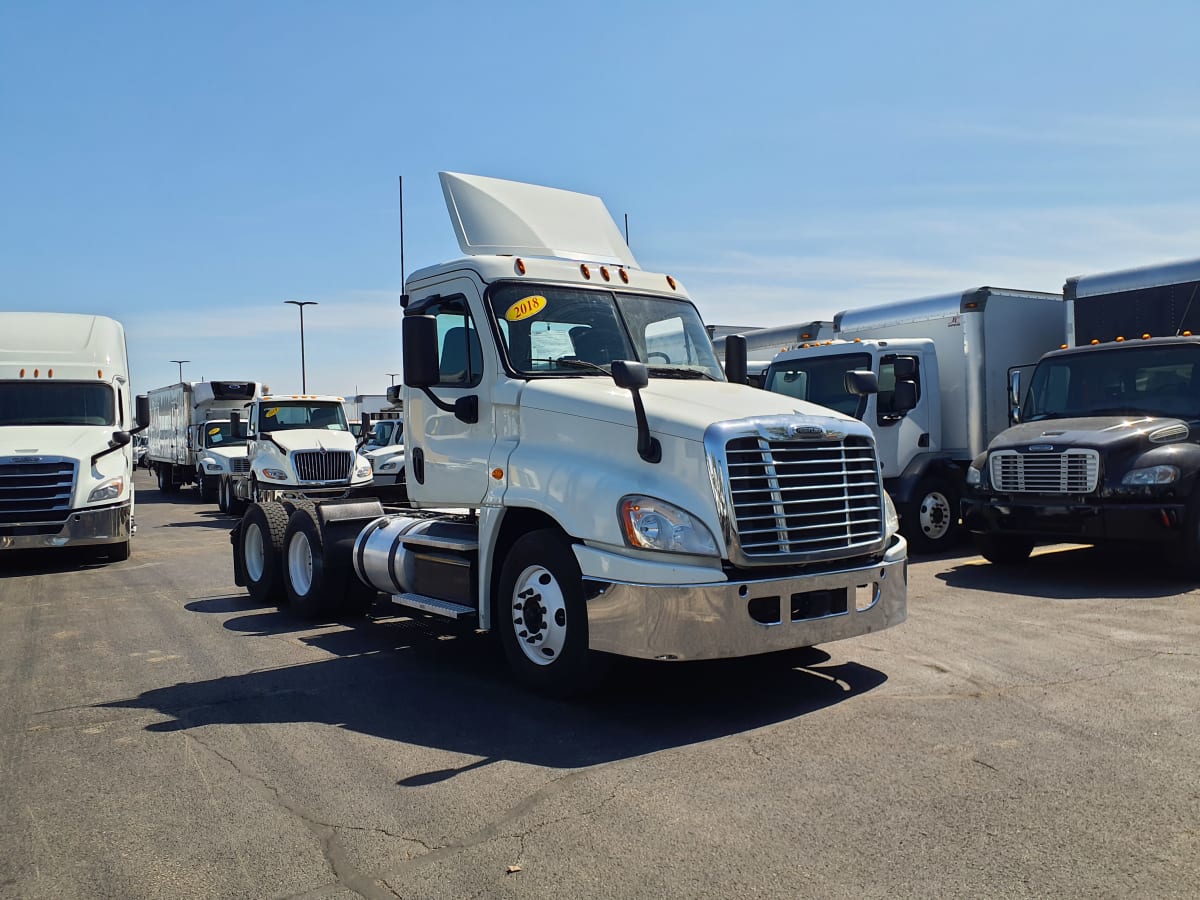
point(393, 376)
point(180, 362)
point(302, 304)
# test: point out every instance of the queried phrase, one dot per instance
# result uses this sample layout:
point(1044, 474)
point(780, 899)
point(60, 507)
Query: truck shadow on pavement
point(1075, 573)
point(418, 682)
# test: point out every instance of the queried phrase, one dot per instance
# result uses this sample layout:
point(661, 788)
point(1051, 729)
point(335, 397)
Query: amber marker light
point(604, 273)
point(1187, 334)
point(1120, 339)
point(22, 373)
point(49, 373)
point(520, 266)
point(497, 474)
point(37, 373)
point(671, 282)
point(624, 275)
point(1095, 340)
point(1062, 346)
point(585, 271)
point(1145, 337)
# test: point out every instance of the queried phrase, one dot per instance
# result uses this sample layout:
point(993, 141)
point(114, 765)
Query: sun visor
point(494, 216)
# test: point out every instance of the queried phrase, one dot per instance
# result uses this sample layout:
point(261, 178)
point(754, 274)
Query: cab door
point(901, 434)
point(447, 459)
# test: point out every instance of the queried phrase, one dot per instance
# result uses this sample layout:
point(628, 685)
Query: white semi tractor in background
point(582, 480)
point(191, 439)
point(66, 424)
point(942, 367)
point(297, 446)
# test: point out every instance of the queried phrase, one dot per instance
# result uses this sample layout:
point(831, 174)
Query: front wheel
point(929, 520)
point(1003, 549)
point(541, 616)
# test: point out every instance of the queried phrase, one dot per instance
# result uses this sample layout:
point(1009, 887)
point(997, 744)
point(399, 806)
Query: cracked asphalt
point(1027, 732)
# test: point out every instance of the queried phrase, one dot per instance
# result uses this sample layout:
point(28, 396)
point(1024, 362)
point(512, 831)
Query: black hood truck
point(1106, 445)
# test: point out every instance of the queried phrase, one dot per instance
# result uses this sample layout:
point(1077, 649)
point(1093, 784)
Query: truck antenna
point(626, 229)
point(401, 181)
point(1183, 318)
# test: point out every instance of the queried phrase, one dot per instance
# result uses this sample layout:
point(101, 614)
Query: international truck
point(297, 446)
point(191, 439)
point(941, 367)
point(1107, 448)
point(579, 494)
point(67, 419)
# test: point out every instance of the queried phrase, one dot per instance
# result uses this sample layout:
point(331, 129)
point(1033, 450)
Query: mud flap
point(239, 561)
point(341, 521)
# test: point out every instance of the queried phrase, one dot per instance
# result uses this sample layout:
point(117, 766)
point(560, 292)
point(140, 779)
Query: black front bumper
point(1068, 519)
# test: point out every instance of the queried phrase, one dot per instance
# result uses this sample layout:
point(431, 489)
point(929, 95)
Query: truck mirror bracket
point(633, 377)
point(465, 409)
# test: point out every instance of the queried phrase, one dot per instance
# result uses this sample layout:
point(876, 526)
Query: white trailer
point(191, 438)
point(66, 427)
point(943, 366)
point(581, 476)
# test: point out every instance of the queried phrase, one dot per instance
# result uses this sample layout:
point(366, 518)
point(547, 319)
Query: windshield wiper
point(673, 372)
point(574, 364)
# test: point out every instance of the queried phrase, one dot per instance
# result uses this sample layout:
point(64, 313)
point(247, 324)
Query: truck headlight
point(891, 520)
point(974, 476)
point(110, 490)
point(652, 524)
point(1151, 475)
point(391, 465)
point(362, 468)
point(212, 466)
point(275, 474)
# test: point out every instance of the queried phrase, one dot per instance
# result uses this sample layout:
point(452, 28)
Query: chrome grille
point(36, 493)
point(328, 465)
point(240, 464)
point(805, 499)
point(1072, 472)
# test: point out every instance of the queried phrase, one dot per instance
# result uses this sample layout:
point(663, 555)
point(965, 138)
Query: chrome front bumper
point(713, 621)
point(84, 527)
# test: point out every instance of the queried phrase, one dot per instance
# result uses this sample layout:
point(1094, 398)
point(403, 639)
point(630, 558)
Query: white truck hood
point(314, 439)
point(54, 440)
point(232, 451)
point(678, 407)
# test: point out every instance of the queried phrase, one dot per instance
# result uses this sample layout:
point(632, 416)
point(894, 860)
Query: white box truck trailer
point(66, 425)
point(579, 493)
point(942, 367)
point(191, 439)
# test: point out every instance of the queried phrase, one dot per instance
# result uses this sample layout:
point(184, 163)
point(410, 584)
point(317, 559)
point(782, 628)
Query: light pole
point(392, 375)
point(302, 304)
point(180, 362)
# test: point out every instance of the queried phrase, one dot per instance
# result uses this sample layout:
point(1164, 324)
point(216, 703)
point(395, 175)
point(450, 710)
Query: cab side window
point(461, 354)
point(885, 405)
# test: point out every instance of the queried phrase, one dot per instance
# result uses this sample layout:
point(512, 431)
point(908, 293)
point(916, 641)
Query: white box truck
point(942, 367)
point(191, 439)
point(578, 493)
point(66, 425)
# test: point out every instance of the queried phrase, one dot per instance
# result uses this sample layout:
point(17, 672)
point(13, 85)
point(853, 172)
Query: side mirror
point(142, 410)
point(421, 365)
point(735, 358)
point(121, 438)
point(630, 376)
point(860, 382)
point(905, 367)
point(1014, 396)
point(235, 425)
point(394, 394)
point(905, 396)
point(365, 418)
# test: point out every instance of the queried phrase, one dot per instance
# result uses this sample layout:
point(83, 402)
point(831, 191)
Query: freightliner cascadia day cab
point(582, 479)
point(1107, 448)
point(942, 366)
point(191, 434)
point(66, 425)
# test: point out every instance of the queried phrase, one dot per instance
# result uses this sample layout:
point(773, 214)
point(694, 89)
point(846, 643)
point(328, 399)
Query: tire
point(1185, 555)
point(929, 521)
point(208, 488)
point(1003, 549)
point(262, 549)
point(541, 617)
point(310, 593)
point(164, 479)
point(222, 494)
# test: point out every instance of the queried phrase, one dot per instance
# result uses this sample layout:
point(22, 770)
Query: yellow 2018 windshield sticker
point(525, 307)
point(216, 430)
point(272, 411)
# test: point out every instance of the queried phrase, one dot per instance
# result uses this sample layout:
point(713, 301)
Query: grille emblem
point(814, 433)
point(1041, 448)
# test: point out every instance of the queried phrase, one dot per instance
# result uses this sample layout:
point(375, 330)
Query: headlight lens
point(275, 474)
point(362, 468)
point(891, 520)
point(652, 524)
point(110, 490)
point(1151, 475)
point(974, 476)
point(390, 466)
point(212, 466)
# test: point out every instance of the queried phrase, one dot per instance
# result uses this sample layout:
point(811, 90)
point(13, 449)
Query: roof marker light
point(37, 373)
point(671, 282)
point(1095, 340)
point(624, 276)
point(585, 271)
point(520, 266)
point(1187, 334)
point(604, 273)
point(1146, 337)
point(22, 373)
point(1062, 346)
point(49, 373)
point(1120, 338)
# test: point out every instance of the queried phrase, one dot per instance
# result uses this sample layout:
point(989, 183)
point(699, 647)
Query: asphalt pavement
point(1028, 732)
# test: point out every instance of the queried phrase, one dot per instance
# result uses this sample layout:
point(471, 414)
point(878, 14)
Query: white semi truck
point(66, 425)
point(297, 446)
point(942, 367)
point(191, 433)
point(578, 493)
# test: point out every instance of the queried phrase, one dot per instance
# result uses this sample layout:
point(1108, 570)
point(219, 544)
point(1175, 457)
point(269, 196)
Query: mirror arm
point(465, 409)
point(648, 446)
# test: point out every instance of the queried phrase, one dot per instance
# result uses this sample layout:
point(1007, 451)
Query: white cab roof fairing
point(492, 216)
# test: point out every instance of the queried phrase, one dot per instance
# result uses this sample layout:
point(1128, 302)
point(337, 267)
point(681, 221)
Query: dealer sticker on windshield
point(525, 307)
point(216, 430)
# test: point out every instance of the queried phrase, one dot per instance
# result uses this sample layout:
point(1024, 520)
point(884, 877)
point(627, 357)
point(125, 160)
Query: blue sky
point(187, 168)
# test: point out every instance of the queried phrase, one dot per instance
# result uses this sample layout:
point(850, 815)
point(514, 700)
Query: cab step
point(456, 611)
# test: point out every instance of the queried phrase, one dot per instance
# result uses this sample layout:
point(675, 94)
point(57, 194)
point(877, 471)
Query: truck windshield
point(1125, 380)
point(555, 330)
point(819, 380)
point(288, 415)
point(57, 403)
point(220, 434)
